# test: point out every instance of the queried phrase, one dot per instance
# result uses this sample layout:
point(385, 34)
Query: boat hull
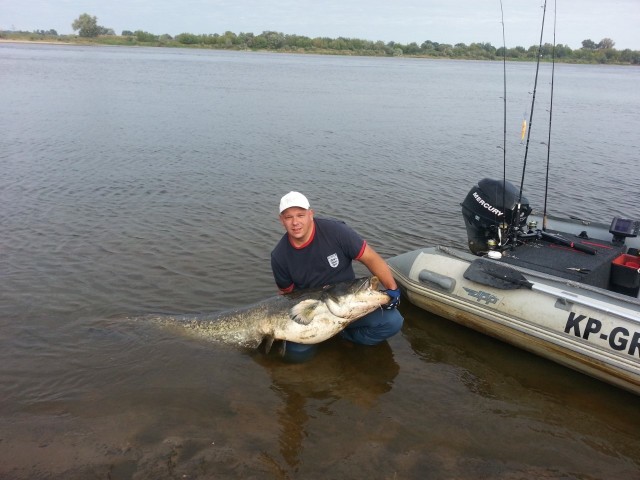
point(585, 328)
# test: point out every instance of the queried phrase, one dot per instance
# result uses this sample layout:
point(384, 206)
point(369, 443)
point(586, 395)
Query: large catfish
point(304, 316)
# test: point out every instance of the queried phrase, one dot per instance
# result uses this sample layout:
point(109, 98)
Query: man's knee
point(392, 323)
point(374, 328)
point(298, 352)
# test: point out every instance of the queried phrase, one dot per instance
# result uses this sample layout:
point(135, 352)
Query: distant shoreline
point(131, 42)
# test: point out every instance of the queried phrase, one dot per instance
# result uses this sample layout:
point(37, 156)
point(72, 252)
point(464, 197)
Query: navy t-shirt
point(324, 260)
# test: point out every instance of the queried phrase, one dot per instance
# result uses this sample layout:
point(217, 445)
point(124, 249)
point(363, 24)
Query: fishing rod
point(506, 234)
point(504, 98)
point(512, 233)
point(553, 69)
point(516, 217)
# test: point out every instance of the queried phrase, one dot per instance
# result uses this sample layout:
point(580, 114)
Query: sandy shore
point(9, 40)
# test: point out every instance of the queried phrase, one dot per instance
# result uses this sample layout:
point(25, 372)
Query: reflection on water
point(525, 393)
point(341, 372)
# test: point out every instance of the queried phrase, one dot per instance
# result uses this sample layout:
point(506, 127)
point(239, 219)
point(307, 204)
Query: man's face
point(298, 223)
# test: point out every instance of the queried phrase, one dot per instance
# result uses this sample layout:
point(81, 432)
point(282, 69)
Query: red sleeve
point(289, 289)
point(364, 246)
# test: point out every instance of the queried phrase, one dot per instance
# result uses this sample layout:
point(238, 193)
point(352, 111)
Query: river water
point(146, 180)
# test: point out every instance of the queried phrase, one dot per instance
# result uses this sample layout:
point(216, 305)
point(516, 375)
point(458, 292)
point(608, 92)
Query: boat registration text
point(619, 338)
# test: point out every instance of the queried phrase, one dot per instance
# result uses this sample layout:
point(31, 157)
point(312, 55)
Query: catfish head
point(353, 300)
point(341, 303)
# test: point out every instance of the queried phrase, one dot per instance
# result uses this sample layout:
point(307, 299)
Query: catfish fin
point(303, 312)
point(268, 343)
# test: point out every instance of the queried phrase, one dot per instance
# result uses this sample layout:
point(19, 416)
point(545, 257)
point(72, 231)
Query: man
point(315, 252)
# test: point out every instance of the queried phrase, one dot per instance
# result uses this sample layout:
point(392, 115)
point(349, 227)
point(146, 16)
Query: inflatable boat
point(567, 291)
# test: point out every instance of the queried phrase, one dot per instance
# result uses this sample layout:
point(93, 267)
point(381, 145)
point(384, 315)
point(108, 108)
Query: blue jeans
point(374, 328)
point(371, 329)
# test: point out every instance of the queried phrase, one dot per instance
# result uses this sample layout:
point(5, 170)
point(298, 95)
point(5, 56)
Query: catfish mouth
point(365, 283)
point(357, 298)
point(352, 287)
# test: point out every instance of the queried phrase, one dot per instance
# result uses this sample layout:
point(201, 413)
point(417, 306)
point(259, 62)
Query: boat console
point(622, 228)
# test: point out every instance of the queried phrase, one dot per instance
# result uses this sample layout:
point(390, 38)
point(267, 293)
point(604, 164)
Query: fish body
point(306, 316)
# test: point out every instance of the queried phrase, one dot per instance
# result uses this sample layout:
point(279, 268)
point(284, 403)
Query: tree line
point(590, 52)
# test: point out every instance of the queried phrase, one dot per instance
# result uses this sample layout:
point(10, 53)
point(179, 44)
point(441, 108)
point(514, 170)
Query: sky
point(401, 21)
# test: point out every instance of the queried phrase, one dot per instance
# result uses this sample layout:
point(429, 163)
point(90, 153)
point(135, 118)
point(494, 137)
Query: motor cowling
point(490, 210)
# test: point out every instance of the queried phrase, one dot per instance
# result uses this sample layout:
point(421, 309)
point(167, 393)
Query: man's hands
point(395, 299)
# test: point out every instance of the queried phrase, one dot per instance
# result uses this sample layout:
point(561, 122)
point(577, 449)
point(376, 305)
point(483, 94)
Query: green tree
point(563, 51)
point(606, 43)
point(87, 25)
point(274, 40)
point(630, 56)
point(51, 32)
point(412, 49)
point(188, 38)
point(298, 41)
point(589, 44)
point(143, 36)
point(245, 39)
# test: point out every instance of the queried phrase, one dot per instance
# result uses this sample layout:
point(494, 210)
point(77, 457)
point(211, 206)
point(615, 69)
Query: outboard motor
point(490, 210)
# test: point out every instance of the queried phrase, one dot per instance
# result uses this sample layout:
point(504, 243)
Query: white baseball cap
point(294, 199)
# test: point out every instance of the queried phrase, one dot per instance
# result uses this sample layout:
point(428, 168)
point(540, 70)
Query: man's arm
point(378, 267)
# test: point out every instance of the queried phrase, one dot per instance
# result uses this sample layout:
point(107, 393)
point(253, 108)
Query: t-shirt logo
point(333, 260)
